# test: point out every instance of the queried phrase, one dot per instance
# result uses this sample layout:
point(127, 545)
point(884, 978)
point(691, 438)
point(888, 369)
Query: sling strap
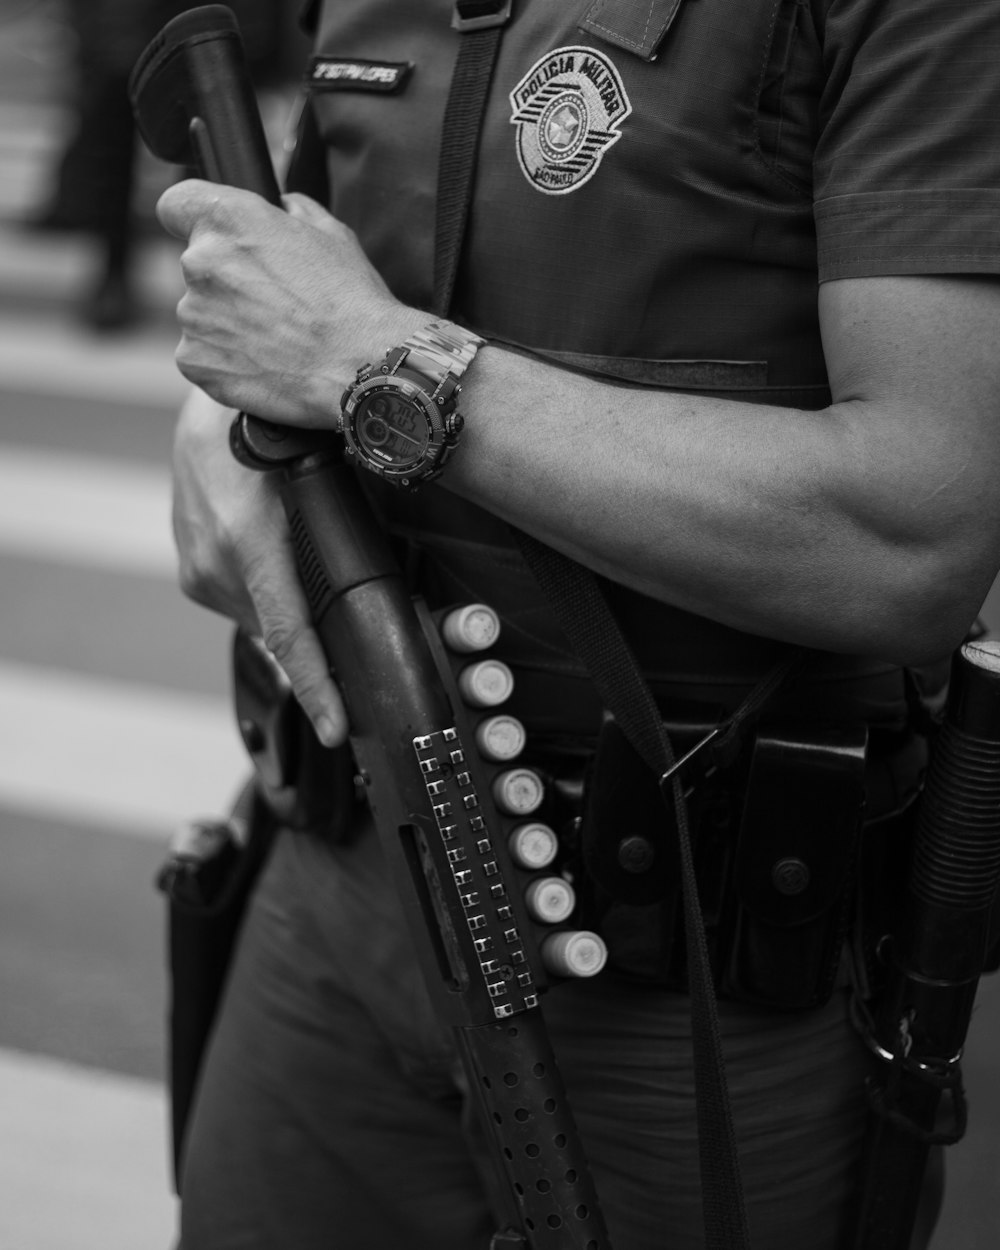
point(583, 612)
point(480, 23)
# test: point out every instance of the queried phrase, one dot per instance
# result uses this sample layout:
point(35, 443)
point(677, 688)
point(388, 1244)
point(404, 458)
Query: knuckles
point(196, 266)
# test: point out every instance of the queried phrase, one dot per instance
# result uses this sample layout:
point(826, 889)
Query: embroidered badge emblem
point(567, 110)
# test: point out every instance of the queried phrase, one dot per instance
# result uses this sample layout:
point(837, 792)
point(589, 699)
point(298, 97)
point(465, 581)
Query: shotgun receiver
point(429, 791)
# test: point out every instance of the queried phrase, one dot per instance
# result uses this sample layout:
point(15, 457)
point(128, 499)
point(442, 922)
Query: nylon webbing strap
point(595, 636)
point(470, 85)
point(592, 630)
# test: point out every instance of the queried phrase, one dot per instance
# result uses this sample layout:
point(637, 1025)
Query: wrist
point(399, 415)
point(392, 325)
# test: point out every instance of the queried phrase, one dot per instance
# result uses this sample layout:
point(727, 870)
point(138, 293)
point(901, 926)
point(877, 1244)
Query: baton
point(937, 955)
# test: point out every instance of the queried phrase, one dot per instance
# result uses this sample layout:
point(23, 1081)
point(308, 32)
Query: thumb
point(180, 207)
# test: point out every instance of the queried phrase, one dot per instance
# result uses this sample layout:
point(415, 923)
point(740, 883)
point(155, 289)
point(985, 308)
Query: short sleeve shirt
point(680, 209)
point(664, 220)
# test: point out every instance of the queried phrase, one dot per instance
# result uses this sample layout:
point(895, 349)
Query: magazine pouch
point(774, 839)
point(794, 870)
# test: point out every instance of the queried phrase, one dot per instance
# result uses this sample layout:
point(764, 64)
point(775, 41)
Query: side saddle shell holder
point(775, 841)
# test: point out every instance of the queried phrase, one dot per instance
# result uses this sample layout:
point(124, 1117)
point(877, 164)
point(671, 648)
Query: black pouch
point(794, 872)
point(213, 866)
point(631, 887)
point(774, 840)
point(207, 880)
point(308, 786)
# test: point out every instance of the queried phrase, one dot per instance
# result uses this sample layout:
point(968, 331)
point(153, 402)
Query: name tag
point(330, 73)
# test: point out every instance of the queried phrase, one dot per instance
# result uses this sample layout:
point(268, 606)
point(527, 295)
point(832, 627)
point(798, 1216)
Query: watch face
point(391, 428)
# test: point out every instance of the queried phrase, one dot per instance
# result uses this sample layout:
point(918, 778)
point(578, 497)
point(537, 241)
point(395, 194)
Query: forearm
point(776, 521)
point(872, 526)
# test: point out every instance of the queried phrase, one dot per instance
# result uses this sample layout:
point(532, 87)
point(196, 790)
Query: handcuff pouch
point(774, 841)
point(794, 868)
point(631, 892)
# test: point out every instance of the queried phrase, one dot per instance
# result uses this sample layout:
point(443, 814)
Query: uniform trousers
point(331, 1113)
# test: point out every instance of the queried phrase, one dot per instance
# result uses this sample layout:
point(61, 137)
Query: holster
point(213, 867)
point(775, 841)
point(207, 880)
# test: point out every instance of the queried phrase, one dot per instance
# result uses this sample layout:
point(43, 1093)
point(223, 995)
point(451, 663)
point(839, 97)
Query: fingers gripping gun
point(936, 956)
point(429, 791)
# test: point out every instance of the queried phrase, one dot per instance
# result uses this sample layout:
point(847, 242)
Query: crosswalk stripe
point(42, 355)
point(67, 507)
point(83, 1159)
point(33, 128)
point(136, 759)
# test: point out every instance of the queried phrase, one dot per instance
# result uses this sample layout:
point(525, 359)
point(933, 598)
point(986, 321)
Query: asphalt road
point(115, 725)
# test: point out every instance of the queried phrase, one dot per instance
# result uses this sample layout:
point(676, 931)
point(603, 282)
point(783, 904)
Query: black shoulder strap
point(309, 16)
point(480, 24)
point(590, 626)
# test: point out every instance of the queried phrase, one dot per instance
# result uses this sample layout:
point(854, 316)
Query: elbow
point(923, 612)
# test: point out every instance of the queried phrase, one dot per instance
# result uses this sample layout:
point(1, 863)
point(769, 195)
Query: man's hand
point(236, 557)
point(281, 308)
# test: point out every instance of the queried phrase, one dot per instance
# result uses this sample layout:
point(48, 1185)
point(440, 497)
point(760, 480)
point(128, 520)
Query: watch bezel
point(439, 437)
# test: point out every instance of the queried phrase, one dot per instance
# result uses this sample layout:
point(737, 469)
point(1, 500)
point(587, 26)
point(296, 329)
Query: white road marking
point(41, 355)
point(133, 758)
point(69, 507)
point(83, 1159)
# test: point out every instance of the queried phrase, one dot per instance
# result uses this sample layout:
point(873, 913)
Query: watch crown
point(454, 423)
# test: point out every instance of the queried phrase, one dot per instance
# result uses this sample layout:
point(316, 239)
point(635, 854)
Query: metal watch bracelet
point(440, 349)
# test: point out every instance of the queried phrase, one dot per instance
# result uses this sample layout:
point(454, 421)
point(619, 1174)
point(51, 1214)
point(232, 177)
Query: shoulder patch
point(567, 110)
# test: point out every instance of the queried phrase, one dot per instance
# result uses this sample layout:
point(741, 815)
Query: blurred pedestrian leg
point(94, 181)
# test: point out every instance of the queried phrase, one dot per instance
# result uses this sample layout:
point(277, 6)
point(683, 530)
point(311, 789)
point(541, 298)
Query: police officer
point(723, 323)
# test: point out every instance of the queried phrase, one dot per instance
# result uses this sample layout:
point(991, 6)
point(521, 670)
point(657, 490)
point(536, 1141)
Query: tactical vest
point(642, 211)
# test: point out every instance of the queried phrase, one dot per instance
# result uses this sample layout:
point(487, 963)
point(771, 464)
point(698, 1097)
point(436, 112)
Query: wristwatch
point(400, 417)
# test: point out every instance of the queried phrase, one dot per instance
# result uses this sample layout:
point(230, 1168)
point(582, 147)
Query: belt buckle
point(480, 14)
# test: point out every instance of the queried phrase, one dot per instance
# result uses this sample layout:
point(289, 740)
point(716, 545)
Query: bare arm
point(872, 526)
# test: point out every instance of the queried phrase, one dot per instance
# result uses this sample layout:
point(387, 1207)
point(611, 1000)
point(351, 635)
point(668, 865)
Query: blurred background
point(115, 720)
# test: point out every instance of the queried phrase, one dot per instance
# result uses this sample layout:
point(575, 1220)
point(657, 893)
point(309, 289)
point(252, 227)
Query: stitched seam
point(840, 255)
point(617, 36)
point(773, 167)
point(649, 18)
point(666, 21)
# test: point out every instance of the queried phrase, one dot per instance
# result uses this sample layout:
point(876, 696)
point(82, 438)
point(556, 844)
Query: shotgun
point(430, 792)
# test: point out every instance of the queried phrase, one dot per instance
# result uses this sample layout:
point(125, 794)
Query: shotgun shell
point(486, 683)
point(550, 900)
point(532, 845)
point(518, 792)
point(574, 953)
point(474, 627)
point(500, 738)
